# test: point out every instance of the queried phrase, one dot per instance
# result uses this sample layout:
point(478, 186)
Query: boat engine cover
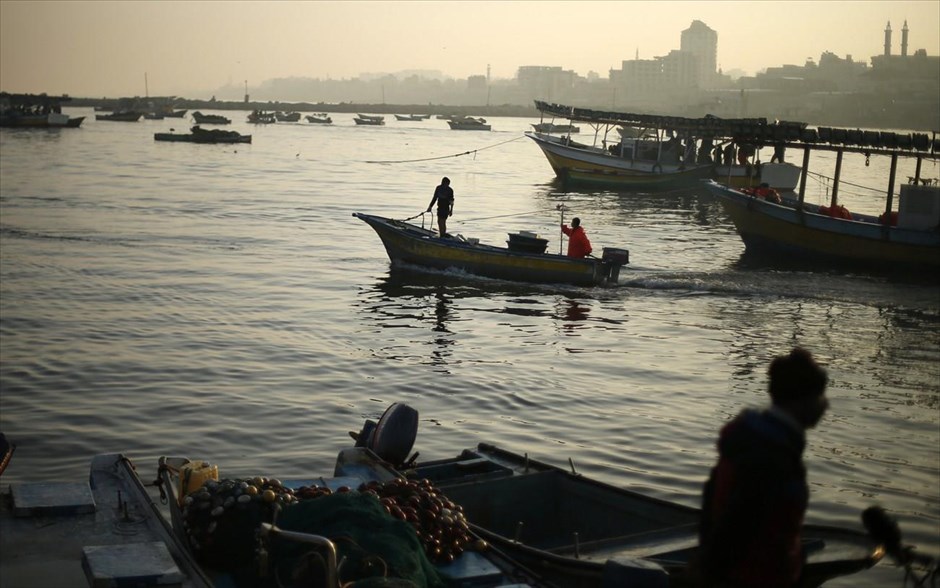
point(395, 433)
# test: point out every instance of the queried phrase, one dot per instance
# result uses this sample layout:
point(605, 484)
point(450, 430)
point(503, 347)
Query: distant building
point(702, 42)
point(547, 82)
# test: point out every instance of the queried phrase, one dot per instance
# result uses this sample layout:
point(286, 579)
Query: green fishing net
point(375, 549)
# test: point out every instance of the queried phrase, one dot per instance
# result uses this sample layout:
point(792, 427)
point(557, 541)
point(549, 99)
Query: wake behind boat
point(523, 260)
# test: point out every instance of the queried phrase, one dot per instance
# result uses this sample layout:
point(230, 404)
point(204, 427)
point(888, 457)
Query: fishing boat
point(260, 117)
point(487, 517)
point(210, 119)
point(320, 118)
point(103, 530)
point(785, 226)
point(579, 531)
point(35, 111)
point(287, 116)
point(411, 117)
point(198, 135)
point(468, 123)
point(369, 119)
point(635, 151)
point(524, 259)
point(121, 116)
point(551, 128)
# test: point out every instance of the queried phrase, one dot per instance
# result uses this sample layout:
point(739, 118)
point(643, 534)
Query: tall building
point(702, 41)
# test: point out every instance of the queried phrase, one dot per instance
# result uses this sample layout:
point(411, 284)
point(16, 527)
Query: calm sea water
point(221, 302)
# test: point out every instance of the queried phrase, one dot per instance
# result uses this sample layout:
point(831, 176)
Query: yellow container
point(194, 474)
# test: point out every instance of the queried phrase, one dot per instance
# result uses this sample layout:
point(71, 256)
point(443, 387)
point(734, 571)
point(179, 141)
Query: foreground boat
point(198, 135)
point(104, 530)
point(578, 531)
point(487, 517)
point(524, 260)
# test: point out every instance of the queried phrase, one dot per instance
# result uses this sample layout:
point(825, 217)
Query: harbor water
point(221, 302)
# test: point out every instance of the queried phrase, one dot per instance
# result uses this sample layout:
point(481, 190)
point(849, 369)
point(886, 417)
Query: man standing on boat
point(578, 244)
point(756, 496)
point(444, 196)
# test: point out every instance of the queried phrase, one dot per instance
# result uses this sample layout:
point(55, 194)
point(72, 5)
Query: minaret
point(904, 40)
point(888, 39)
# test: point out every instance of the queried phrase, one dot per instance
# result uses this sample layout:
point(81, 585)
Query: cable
point(447, 156)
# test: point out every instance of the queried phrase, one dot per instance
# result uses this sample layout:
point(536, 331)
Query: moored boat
point(198, 135)
point(551, 128)
point(287, 116)
point(320, 118)
point(411, 117)
point(121, 116)
point(369, 119)
point(794, 231)
point(35, 111)
point(468, 123)
point(652, 151)
point(523, 260)
point(210, 119)
point(260, 117)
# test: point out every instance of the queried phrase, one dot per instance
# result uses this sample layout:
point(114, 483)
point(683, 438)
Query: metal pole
point(806, 152)
point(835, 180)
point(890, 202)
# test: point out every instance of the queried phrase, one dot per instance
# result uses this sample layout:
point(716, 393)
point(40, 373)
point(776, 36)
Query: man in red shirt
point(578, 244)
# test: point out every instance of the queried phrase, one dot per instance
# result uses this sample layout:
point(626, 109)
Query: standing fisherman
point(444, 196)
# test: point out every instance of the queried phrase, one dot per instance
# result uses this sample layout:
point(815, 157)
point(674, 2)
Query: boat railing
point(331, 576)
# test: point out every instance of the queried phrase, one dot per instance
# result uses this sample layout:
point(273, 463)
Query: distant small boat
point(411, 117)
point(468, 124)
point(287, 116)
point(124, 116)
point(369, 119)
point(198, 135)
point(210, 119)
point(553, 128)
point(321, 118)
point(260, 117)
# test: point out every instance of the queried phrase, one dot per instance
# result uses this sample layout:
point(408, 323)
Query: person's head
point(798, 386)
point(575, 222)
point(764, 185)
point(445, 181)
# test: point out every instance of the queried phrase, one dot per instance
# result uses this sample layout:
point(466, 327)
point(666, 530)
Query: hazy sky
point(192, 48)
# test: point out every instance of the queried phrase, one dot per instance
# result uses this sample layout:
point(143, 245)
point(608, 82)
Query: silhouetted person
point(578, 244)
point(444, 196)
point(756, 496)
point(779, 152)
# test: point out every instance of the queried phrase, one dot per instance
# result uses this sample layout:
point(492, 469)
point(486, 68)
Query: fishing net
point(375, 549)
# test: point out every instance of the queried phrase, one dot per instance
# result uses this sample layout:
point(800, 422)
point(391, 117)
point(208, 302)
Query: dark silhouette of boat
point(198, 135)
point(210, 119)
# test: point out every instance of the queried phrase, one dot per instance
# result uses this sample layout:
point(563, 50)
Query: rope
point(471, 220)
point(447, 156)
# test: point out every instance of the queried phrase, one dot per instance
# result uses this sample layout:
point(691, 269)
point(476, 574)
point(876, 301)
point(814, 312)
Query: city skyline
point(192, 49)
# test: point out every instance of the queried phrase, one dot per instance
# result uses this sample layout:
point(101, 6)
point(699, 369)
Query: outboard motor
point(393, 436)
point(614, 259)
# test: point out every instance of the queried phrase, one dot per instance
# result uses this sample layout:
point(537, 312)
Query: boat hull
point(45, 121)
point(573, 529)
point(782, 231)
point(589, 165)
point(412, 245)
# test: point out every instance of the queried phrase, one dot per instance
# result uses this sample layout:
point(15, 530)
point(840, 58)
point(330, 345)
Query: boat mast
point(835, 179)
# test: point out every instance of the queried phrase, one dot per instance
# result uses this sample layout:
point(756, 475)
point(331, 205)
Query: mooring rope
point(447, 156)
